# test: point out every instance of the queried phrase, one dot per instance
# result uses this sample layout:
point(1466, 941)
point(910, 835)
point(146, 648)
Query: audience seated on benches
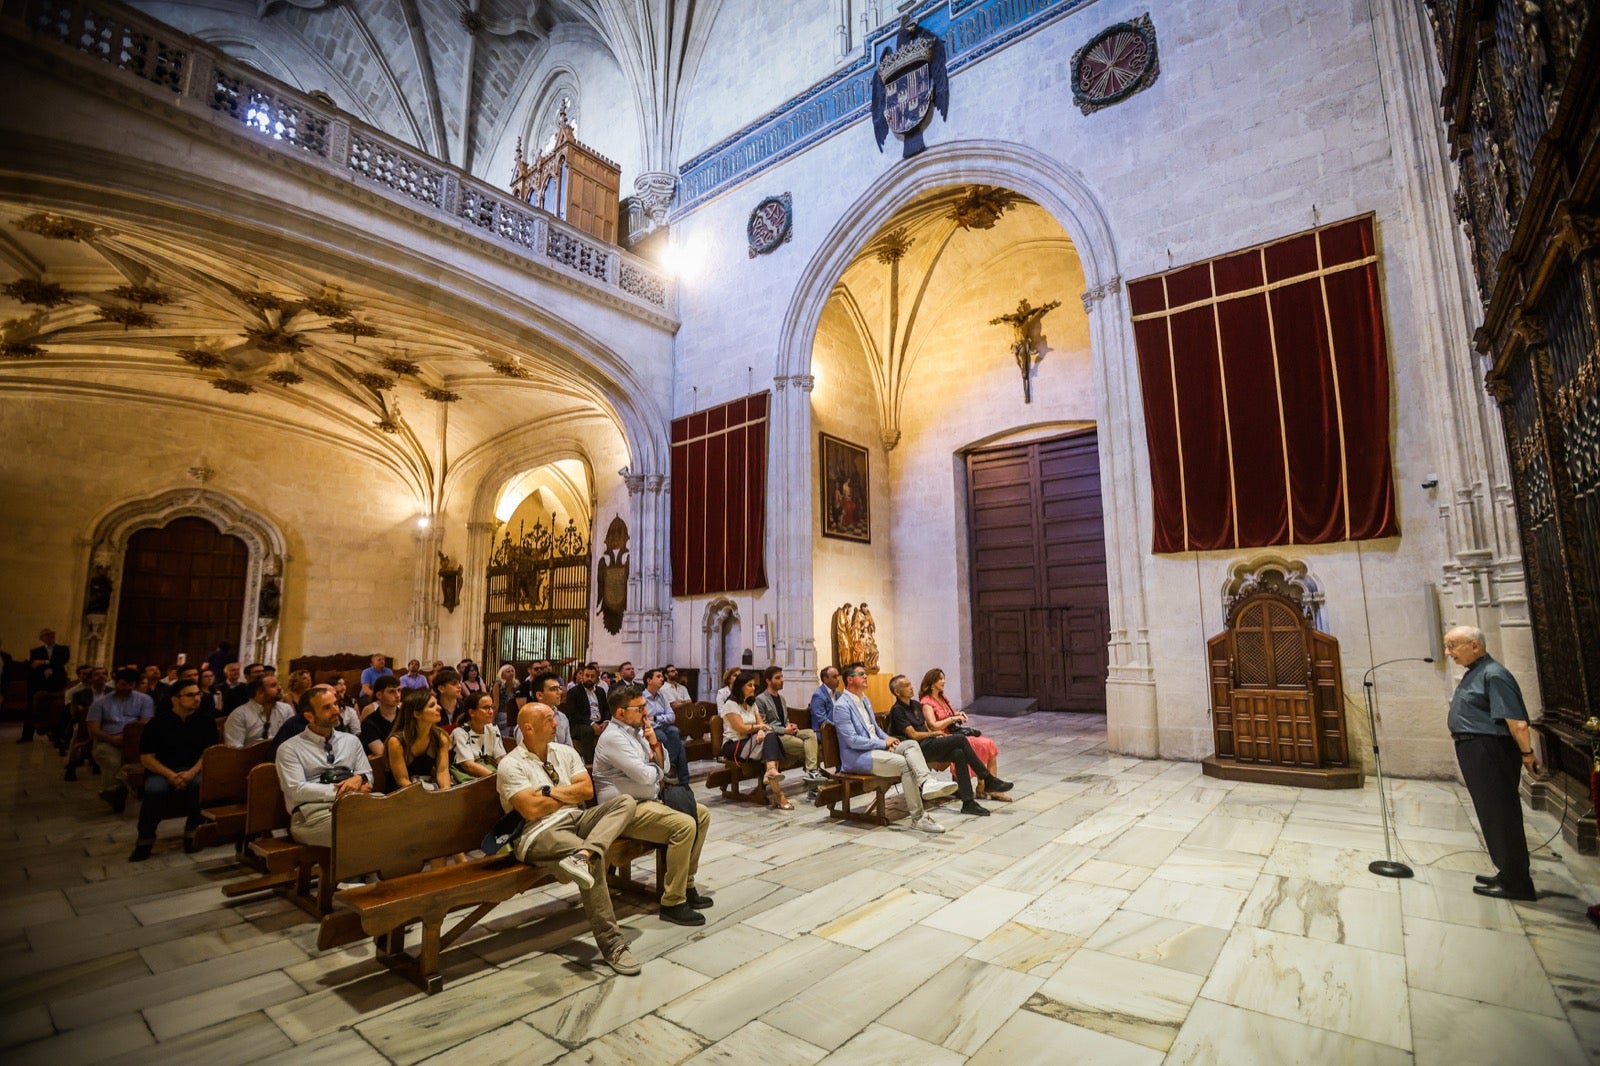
point(317, 767)
point(797, 743)
point(108, 717)
point(476, 747)
point(547, 784)
point(664, 722)
point(864, 748)
point(906, 723)
point(419, 751)
point(379, 720)
point(941, 718)
point(751, 739)
point(630, 760)
point(171, 749)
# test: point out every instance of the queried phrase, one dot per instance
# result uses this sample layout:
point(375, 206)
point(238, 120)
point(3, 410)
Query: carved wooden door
point(182, 590)
point(1040, 607)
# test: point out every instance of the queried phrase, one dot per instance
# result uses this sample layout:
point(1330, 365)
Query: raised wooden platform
point(1262, 774)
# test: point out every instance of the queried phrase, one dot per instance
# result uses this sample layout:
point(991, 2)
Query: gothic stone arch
point(108, 548)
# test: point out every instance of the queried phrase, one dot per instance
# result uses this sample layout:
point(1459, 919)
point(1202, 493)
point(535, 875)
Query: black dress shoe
point(189, 846)
point(973, 807)
point(1486, 879)
point(1499, 891)
point(141, 852)
point(697, 900)
point(682, 914)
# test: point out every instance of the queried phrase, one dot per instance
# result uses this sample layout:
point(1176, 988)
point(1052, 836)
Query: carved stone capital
point(891, 437)
point(655, 189)
point(635, 483)
point(655, 482)
point(801, 382)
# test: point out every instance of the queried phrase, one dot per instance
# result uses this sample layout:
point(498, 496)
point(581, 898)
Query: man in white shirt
point(547, 784)
point(317, 766)
point(630, 761)
point(259, 717)
point(676, 694)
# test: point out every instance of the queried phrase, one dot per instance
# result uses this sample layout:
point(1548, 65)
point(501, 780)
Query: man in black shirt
point(171, 748)
point(376, 726)
point(907, 723)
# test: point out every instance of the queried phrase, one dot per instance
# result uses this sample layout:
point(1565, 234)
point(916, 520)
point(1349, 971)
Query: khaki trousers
point(803, 745)
point(655, 822)
point(595, 830)
point(109, 758)
point(313, 824)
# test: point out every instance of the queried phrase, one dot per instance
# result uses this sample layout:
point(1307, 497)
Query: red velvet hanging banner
point(719, 498)
point(1266, 394)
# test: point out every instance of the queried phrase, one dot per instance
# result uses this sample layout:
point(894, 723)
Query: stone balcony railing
point(167, 64)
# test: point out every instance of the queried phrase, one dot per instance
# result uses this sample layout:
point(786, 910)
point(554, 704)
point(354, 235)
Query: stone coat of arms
point(911, 83)
point(612, 571)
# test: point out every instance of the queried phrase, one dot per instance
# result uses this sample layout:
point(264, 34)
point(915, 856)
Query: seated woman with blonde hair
point(747, 736)
point(418, 749)
point(942, 718)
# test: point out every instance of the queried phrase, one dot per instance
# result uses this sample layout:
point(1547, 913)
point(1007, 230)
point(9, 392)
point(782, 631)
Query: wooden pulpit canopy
point(1277, 699)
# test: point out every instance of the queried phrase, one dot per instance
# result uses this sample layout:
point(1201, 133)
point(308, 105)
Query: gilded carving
point(981, 207)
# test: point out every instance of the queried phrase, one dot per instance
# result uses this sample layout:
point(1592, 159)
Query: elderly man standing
point(548, 785)
point(630, 761)
point(1493, 745)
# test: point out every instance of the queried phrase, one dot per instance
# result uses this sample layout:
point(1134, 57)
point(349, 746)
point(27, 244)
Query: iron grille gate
point(538, 597)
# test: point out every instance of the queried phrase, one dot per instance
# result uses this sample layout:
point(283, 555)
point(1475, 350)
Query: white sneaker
point(576, 866)
point(927, 825)
point(933, 788)
point(816, 777)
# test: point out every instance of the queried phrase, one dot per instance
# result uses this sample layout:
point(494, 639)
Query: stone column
point(1131, 723)
point(794, 646)
point(422, 637)
point(475, 588)
point(1482, 576)
point(647, 622)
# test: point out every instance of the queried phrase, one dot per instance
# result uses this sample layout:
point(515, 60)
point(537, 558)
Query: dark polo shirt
point(1486, 696)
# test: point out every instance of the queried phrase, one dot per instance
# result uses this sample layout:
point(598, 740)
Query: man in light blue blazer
point(866, 749)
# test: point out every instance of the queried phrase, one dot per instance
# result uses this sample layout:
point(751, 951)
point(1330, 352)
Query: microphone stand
point(1387, 866)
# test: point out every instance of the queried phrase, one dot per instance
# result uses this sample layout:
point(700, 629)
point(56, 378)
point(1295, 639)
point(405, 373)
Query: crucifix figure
point(1024, 323)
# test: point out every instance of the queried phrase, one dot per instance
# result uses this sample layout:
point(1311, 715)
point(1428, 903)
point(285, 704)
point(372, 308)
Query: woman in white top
point(748, 738)
point(476, 746)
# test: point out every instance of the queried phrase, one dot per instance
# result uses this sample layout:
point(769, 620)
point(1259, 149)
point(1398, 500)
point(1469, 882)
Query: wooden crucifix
point(1024, 323)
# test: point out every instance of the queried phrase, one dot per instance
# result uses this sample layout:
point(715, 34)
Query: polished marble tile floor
point(1121, 911)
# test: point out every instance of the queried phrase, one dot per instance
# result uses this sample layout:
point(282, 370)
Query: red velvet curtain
point(719, 498)
point(1266, 394)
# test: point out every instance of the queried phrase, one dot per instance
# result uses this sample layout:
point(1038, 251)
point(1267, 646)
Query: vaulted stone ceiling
point(446, 75)
point(937, 272)
point(133, 313)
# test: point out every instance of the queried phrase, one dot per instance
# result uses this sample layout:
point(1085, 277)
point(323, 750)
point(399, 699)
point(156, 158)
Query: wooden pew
point(132, 768)
point(224, 777)
point(694, 722)
point(837, 795)
point(394, 837)
point(284, 865)
point(734, 771)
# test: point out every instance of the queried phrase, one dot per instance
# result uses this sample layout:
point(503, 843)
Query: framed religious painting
point(846, 490)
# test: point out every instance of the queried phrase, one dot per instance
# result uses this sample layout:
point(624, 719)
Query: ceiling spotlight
point(423, 521)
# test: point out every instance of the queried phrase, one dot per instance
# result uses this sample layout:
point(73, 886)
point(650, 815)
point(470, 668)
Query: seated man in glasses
point(318, 766)
point(630, 760)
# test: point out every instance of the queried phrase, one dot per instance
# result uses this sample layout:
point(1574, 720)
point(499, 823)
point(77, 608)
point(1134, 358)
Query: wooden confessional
point(1277, 701)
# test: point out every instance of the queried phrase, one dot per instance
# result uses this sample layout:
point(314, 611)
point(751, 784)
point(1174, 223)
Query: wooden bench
point(836, 796)
point(224, 778)
point(396, 836)
point(283, 864)
point(734, 771)
point(694, 723)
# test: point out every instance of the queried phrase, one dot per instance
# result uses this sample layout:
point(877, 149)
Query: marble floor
point(1121, 911)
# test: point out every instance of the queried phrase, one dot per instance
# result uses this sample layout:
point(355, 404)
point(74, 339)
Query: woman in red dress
point(941, 717)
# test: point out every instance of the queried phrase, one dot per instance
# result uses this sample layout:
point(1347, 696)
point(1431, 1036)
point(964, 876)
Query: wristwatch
point(544, 790)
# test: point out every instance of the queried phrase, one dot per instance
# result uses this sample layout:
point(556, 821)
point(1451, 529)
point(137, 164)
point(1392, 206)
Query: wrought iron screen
point(538, 597)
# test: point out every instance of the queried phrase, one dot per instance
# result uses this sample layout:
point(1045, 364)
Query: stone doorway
point(182, 592)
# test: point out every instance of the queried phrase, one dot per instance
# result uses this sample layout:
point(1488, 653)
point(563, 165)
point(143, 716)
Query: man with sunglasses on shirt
point(318, 766)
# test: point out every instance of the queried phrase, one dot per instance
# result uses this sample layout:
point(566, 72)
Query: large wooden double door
point(182, 590)
point(1040, 607)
